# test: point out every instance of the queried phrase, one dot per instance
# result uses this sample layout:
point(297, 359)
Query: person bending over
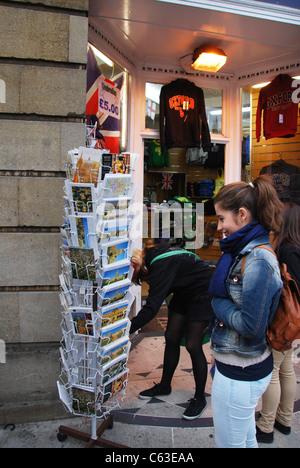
point(182, 273)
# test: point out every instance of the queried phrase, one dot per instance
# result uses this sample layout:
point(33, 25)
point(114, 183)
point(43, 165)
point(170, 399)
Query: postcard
point(111, 314)
point(113, 273)
point(63, 301)
point(116, 185)
point(115, 251)
point(114, 332)
point(64, 396)
point(88, 166)
point(114, 350)
point(82, 263)
point(82, 320)
point(83, 400)
point(113, 293)
point(83, 232)
point(65, 287)
point(82, 199)
point(113, 230)
point(114, 386)
point(106, 163)
point(113, 368)
point(112, 208)
point(120, 163)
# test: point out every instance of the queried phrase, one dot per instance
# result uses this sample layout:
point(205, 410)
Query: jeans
point(233, 406)
point(278, 400)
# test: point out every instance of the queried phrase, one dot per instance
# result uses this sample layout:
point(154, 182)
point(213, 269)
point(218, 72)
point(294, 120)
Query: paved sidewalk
point(155, 423)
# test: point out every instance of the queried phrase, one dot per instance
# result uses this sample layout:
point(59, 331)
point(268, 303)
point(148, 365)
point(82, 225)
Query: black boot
point(264, 437)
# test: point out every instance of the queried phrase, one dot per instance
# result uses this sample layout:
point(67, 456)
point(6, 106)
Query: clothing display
point(279, 111)
point(157, 158)
point(207, 188)
point(183, 122)
point(216, 156)
point(286, 180)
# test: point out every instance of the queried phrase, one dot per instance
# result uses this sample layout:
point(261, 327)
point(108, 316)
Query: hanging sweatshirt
point(279, 111)
point(183, 122)
point(285, 179)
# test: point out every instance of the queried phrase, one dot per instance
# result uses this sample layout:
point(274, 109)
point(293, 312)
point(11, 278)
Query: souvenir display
point(95, 281)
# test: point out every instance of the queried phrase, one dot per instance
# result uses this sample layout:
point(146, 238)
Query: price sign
point(109, 99)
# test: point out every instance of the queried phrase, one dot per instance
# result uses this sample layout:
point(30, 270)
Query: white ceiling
point(155, 32)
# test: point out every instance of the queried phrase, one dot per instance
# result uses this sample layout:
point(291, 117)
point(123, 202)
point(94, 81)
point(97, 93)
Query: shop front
point(248, 109)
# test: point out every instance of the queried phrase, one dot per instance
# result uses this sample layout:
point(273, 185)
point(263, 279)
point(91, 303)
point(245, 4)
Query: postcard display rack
point(95, 287)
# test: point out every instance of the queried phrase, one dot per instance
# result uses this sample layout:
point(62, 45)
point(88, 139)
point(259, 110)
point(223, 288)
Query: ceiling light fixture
point(208, 58)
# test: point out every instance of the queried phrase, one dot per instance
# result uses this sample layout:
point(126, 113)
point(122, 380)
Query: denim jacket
point(242, 320)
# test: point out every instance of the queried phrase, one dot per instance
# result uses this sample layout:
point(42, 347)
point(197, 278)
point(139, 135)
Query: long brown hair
point(290, 232)
point(259, 197)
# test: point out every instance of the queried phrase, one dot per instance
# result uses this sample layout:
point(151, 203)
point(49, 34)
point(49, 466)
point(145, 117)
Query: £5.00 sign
point(109, 98)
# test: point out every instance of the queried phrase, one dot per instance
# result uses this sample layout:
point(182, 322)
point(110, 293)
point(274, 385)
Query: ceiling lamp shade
point(208, 59)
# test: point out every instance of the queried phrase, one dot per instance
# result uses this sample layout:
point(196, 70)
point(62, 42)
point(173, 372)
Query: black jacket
point(182, 116)
point(181, 275)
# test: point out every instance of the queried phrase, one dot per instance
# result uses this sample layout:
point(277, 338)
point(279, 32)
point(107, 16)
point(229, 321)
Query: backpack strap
point(173, 252)
point(266, 247)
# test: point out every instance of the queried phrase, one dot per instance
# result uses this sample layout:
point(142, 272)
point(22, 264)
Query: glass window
point(271, 135)
point(152, 105)
point(213, 105)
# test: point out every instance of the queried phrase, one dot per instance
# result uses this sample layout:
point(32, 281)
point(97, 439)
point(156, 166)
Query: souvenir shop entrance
point(153, 42)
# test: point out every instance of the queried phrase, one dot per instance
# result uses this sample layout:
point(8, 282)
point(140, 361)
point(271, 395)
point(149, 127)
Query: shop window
point(271, 136)
point(213, 106)
point(172, 178)
point(178, 178)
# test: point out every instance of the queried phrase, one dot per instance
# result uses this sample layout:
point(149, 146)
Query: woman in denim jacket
point(246, 287)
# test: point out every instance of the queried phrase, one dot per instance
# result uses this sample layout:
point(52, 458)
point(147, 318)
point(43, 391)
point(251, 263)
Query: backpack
point(285, 326)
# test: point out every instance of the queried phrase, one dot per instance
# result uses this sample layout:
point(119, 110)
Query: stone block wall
point(42, 105)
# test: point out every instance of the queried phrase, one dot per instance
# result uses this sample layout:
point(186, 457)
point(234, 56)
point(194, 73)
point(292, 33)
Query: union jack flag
point(110, 126)
point(167, 181)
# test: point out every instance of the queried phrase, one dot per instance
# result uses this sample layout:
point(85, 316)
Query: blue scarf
point(231, 247)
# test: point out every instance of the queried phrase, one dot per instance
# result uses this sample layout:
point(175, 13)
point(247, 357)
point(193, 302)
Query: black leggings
point(177, 324)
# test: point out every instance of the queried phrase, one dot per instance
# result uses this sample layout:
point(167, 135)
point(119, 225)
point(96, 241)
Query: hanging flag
point(93, 73)
point(167, 181)
point(151, 109)
point(103, 101)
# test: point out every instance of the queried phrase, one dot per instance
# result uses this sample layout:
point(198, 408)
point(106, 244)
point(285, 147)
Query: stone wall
point(42, 105)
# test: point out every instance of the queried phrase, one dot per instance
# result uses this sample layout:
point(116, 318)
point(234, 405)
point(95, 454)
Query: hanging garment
point(279, 111)
point(286, 180)
point(219, 182)
point(183, 122)
point(157, 158)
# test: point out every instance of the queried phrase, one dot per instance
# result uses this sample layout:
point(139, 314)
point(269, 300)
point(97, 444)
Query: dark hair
point(259, 197)
point(290, 232)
